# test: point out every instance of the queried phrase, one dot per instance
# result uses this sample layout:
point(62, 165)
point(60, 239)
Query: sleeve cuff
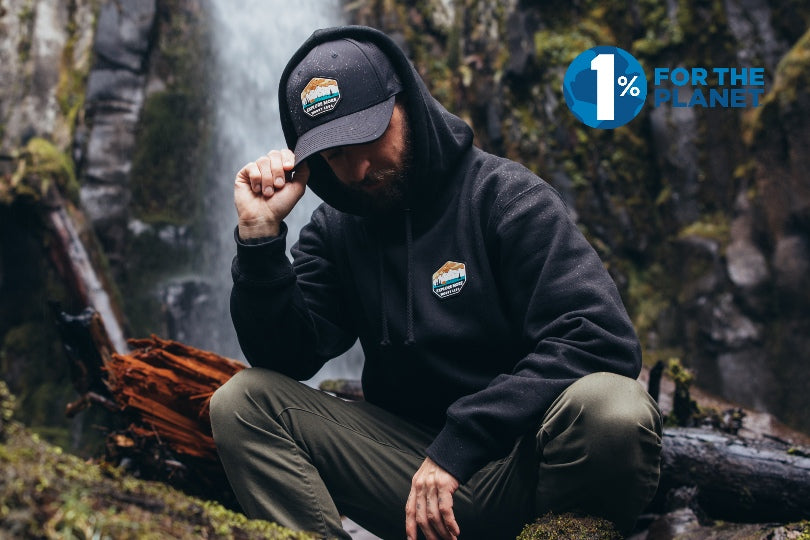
point(455, 451)
point(261, 260)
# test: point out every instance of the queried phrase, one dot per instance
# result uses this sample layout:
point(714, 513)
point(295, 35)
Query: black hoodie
point(476, 307)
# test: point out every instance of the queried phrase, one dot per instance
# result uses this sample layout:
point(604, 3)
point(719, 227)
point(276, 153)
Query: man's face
point(376, 173)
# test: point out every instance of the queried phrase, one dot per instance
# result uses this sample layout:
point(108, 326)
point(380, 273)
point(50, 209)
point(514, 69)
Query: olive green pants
point(301, 458)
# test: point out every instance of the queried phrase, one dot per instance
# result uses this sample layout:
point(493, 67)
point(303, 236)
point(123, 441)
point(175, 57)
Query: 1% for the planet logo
point(605, 87)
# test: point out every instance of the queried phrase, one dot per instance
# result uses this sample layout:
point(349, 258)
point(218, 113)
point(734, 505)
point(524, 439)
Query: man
point(499, 359)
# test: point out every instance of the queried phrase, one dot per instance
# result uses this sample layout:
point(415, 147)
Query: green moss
point(792, 77)
point(714, 227)
point(805, 530)
point(45, 492)
point(569, 527)
point(555, 48)
point(165, 187)
point(659, 32)
point(70, 89)
point(40, 166)
point(43, 392)
point(26, 16)
point(44, 158)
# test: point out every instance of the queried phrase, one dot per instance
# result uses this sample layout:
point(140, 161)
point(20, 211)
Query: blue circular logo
point(605, 87)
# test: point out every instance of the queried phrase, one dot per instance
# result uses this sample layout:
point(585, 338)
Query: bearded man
point(499, 359)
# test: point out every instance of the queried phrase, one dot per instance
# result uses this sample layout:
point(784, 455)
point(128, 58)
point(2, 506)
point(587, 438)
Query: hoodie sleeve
point(571, 319)
point(288, 317)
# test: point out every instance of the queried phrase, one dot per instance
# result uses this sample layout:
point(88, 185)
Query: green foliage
point(569, 527)
point(685, 410)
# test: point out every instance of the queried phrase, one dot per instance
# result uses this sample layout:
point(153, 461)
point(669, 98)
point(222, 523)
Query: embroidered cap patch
point(449, 279)
point(320, 96)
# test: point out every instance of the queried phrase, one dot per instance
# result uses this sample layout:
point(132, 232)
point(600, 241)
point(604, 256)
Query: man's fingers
point(445, 504)
point(277, 169)
point(265, 180)
point(288, 159)
point(434, 515)
point(271, 172)
point(249, 174)
point(410, 517)
point(426, 523)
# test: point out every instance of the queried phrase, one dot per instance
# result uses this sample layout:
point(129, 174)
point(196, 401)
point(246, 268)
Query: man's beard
point(391, 186)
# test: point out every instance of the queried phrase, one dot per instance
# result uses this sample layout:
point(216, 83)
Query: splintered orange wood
point(167, 385)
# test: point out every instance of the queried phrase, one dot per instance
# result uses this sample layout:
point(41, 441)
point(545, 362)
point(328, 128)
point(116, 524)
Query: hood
point(438, 137)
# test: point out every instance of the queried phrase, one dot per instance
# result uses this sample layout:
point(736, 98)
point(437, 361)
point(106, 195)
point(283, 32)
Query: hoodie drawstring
point(409, 338)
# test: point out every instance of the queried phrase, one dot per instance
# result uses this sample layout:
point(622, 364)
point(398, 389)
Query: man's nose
point(359, 165)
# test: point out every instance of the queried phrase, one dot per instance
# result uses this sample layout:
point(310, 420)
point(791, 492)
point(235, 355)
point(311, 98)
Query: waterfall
point(253, 40)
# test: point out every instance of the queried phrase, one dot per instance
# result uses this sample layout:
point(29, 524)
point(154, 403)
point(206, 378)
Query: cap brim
point(356, 128)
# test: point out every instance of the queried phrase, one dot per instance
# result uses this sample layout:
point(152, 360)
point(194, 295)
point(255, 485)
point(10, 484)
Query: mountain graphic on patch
point(449, 279)
point(320, 96)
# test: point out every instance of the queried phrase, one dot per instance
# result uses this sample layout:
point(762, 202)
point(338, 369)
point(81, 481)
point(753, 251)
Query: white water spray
point(252, 42)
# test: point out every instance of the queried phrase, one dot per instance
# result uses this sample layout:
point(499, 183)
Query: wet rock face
point(114, 99)
point(39, 42)
point(123, 32)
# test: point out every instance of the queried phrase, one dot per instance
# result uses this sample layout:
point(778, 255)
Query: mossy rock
point(40, 166)
point(45, 493)
point(569, 527)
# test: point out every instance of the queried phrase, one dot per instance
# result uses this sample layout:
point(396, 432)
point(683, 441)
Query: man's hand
point(430, 503)
point(265, 191)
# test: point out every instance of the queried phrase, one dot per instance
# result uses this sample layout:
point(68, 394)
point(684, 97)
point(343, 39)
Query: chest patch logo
point(449, 279)
point(320, 96)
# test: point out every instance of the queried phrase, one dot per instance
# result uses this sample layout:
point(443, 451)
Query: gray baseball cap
point(341, 93)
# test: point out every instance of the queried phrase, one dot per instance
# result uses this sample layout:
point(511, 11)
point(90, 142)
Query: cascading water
point(252, 41)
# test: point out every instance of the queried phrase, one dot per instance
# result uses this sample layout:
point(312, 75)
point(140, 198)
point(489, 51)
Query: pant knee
point(247, 396)
point(606, 430)
point(615, 400)
point(225, 401)
point(613, 413)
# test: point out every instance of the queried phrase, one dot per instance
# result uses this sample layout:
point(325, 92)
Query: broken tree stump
point(159, 393)
point(167, 386)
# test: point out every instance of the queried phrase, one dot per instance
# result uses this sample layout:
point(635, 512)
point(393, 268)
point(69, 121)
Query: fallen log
point(162, 389)
point(738, 479)
point(73, 262)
